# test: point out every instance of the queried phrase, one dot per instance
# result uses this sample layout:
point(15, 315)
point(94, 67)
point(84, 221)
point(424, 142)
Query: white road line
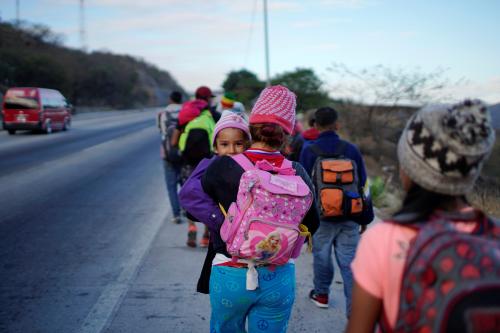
point(103, 311)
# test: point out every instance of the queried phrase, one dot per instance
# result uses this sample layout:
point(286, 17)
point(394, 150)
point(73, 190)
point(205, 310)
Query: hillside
point(34, 56)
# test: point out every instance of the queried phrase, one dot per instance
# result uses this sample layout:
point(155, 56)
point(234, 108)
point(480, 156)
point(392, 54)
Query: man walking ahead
point(167, 121)
point(339, 176)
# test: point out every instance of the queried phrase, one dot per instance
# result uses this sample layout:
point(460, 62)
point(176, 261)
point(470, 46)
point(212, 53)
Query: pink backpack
point(263, 225)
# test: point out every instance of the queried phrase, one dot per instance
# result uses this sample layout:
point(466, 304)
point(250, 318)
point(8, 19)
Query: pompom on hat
point(443, 147)
point(276, 104)
point(230, 119)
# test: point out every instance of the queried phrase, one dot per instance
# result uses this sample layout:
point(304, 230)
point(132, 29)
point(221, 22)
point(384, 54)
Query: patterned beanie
point(276, 104)
point(230, 119)
point(443, 147)
point(227, 100)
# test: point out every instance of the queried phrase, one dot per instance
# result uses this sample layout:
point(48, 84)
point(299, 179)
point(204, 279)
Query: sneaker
point(320, 300)
point(204, 241)
point(176, 220)
point(191, 242)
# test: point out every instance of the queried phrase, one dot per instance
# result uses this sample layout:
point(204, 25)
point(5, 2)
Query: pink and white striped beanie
point(229, 119)
point(276, 104)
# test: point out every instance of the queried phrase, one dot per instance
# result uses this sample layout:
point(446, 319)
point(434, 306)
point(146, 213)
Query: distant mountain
point(34, 56)
point(495, 115)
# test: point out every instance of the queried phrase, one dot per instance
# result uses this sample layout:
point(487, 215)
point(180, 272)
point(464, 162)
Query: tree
point(33, 56)
point(42, 33)
point(307, 86)
point(245, 85)
point(381, 87)
point(381, 84)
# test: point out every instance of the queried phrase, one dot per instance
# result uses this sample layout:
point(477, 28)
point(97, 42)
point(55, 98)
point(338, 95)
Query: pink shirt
point(379, 262)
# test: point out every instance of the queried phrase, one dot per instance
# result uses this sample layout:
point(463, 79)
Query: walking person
point(231, 137)
point(196, 126)
point(205, 93)
point(167, 121)
point(435, 265)
point(227, 102)
point(308, 135)
point(261, 288)
point(343, 205)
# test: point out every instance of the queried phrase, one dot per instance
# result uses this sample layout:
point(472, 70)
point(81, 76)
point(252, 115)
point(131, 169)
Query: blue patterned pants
point(267, 308)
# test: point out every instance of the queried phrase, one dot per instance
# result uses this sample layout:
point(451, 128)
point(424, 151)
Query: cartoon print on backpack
point(269, 246)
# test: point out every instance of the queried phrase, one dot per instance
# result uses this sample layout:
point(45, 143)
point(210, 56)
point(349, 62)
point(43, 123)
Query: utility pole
point(83, 43)
point(268, 80)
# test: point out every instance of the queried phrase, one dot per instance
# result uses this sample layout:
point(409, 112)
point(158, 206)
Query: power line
point(250, 37)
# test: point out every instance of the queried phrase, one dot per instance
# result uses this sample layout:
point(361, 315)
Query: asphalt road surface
point(86, 243)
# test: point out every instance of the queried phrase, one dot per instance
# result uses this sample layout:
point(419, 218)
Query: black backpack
point(197, 147)
point(340, 196)
point(170, 123)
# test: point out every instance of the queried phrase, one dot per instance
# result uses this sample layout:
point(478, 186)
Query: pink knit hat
point(230, 119)
point(276, 104)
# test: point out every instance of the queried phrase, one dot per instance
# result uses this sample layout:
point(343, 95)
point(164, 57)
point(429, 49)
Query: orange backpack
point(336, 180)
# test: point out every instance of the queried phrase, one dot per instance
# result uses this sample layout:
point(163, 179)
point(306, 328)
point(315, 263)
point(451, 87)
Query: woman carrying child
point(266, 302)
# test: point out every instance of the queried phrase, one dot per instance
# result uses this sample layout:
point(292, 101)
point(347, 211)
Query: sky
point(200, 41)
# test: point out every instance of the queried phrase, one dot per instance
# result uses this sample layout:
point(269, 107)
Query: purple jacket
point(197, 203)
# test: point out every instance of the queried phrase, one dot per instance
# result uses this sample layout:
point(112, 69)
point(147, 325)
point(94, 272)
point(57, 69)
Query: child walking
point(435, 267)
point(239, 290)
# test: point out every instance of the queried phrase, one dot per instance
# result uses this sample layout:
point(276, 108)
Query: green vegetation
point(377, 191)
point(302, 81)
point(245, 85)
point(33, 56)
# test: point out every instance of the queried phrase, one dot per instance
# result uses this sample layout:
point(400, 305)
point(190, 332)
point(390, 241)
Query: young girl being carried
point(231, 136)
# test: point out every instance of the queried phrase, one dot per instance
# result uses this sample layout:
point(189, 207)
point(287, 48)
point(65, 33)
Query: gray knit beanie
point(443, 147)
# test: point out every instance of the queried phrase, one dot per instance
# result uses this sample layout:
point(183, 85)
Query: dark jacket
point(298, 142)
point(200, 207)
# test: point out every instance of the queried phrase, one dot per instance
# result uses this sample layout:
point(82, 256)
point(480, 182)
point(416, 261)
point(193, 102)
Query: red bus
point(35, 109)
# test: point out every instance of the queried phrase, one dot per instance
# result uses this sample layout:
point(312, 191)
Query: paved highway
point(86, 243)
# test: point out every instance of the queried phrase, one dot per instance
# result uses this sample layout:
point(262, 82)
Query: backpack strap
point(339, 150)
point(285, 168)
point(244, 162)
point(286, 164)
